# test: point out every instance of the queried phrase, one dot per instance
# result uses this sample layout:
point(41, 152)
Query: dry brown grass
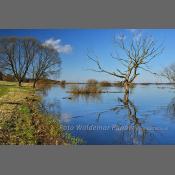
point(92, 81)
point(85, 89)
point(105, 84)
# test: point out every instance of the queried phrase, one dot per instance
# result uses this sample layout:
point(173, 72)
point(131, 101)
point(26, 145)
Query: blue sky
point(75, 44)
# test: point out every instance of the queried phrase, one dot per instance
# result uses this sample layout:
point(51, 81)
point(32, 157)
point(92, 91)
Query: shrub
point(8, 78)
point(85, 90)
point(105, 83)
point(118, 84)
point(63, 82)
point(92, 81)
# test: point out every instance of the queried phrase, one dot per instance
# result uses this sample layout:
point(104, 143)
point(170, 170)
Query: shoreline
point(22, 121)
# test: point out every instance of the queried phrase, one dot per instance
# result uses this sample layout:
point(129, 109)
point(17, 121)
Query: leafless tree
point(136, 54)
point(16, 55)
point(46, 63)
point(169, 73)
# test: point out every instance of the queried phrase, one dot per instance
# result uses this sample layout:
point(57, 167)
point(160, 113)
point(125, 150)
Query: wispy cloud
point(57, 45)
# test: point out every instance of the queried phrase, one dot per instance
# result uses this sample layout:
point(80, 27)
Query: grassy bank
point(22, 122)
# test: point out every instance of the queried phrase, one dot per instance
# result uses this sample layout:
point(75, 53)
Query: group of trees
point(27, 58)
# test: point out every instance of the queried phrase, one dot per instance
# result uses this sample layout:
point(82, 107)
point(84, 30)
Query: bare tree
point(16, 55)
point(46, 63)
point(136, 54)
point(169, 73)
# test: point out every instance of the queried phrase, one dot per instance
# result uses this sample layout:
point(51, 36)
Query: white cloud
point(57, 45)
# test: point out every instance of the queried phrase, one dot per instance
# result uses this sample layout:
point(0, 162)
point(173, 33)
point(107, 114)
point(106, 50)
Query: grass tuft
point(87, 89)
point(105, 84)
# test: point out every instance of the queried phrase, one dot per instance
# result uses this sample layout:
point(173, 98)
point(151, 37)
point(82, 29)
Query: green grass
point(21, 120)
point(6, 87)
point(23, 109)
point(3, 90)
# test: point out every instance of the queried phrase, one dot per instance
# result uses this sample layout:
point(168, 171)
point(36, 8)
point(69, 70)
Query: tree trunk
point(126, 87)
point(126, 96)
point(34, 84)
point(19, 83)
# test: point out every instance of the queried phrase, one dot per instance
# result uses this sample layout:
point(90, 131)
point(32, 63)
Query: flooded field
point(104, 118)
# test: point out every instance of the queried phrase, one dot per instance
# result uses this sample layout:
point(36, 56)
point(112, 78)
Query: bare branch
point(137, 53)
point(100, 69)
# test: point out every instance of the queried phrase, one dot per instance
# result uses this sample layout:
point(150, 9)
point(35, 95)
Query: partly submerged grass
point(22, 122)
point(87, 89)
point(105, 84)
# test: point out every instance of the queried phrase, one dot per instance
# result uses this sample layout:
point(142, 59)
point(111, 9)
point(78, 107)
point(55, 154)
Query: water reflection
point(135, 129)
point(96, 97)
point(52, 106)
point(63, 86)
point(171, 107)
point(135, 132)
point(143, 116)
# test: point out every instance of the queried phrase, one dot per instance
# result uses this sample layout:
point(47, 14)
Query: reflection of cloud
point(65, 118)
point(57, 45)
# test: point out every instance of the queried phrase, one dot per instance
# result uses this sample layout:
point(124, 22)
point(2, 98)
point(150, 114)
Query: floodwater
point(104, 119)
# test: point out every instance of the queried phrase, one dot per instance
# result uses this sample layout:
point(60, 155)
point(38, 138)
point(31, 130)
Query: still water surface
point(148, 118)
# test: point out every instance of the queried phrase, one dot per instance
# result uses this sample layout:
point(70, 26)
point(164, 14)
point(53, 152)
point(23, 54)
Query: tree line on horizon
point(27, 58)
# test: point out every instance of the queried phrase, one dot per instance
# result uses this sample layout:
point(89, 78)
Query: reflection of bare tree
point(52, 108)
point(62, 86)
point(44, 89)
point(171, 107)
point(135, 129)
point(135, 132)
point(132, 111)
